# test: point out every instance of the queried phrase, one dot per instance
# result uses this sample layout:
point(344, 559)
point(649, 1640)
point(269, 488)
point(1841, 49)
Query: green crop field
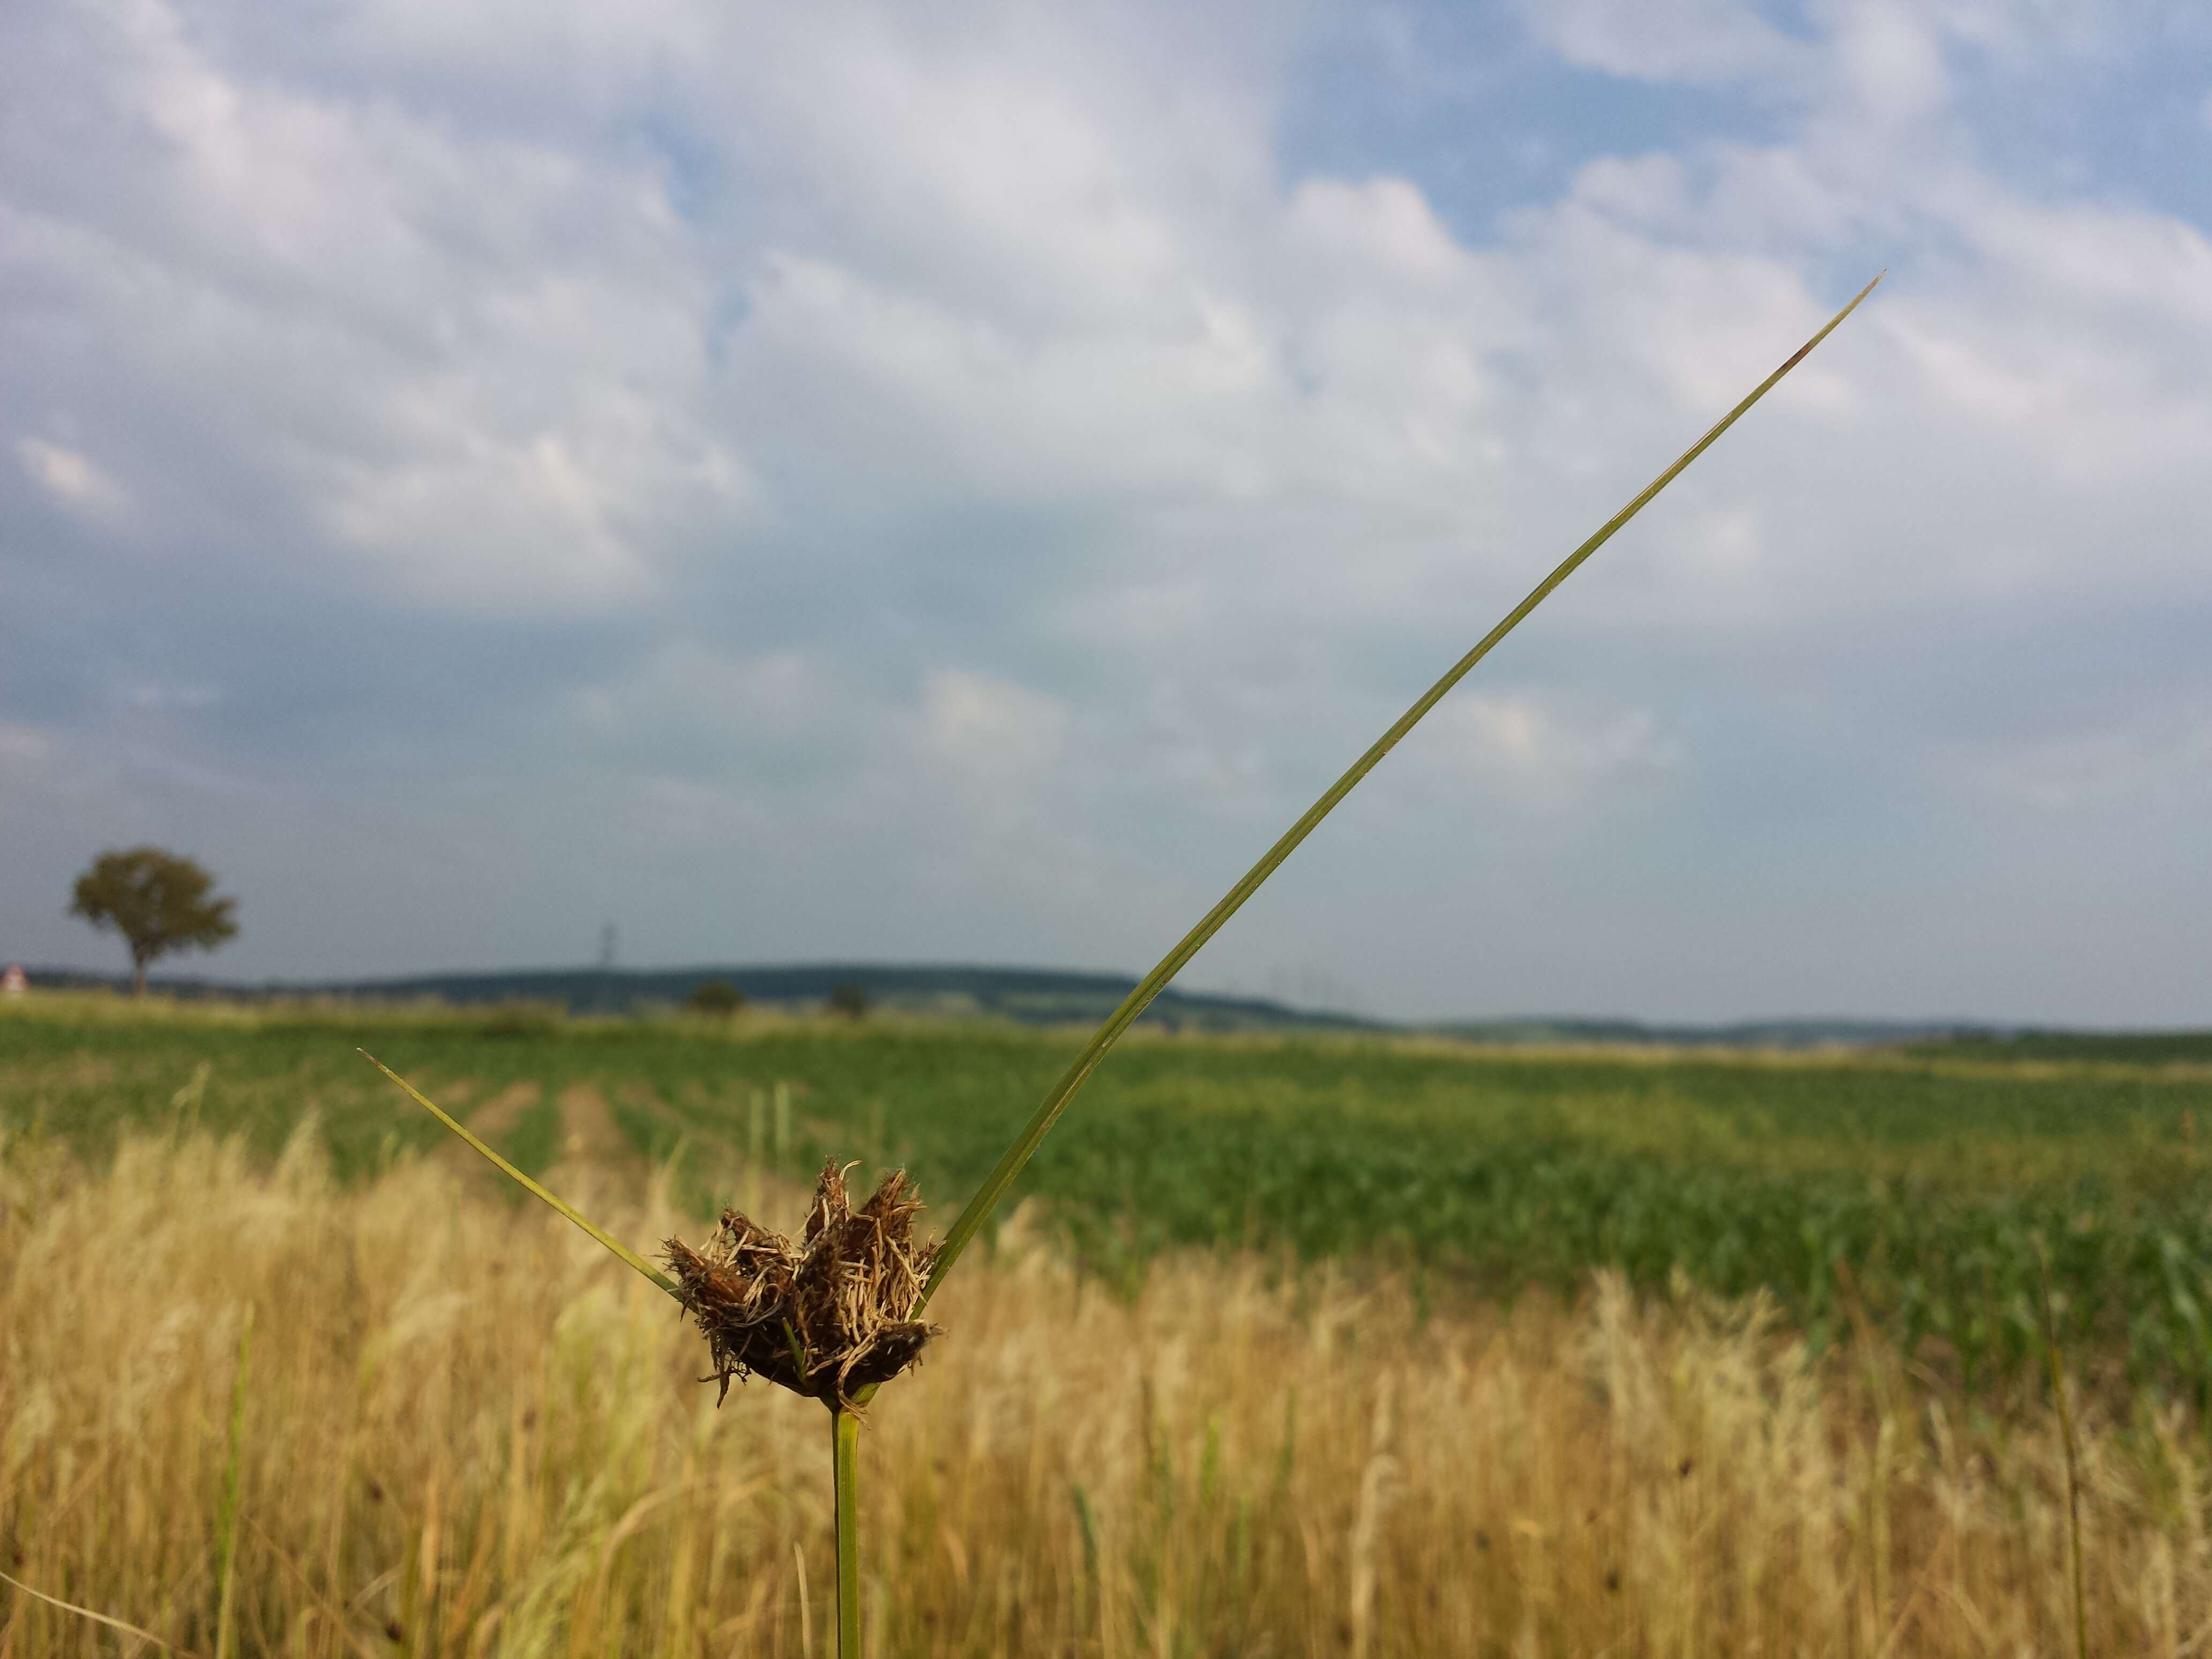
point(1918, 1191)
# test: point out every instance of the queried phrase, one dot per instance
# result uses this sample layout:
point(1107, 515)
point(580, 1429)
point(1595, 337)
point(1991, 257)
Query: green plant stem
point(598, 1233)
point(994, 1186)
point(845, 1458)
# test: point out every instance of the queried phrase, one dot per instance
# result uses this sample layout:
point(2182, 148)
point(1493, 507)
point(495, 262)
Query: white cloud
point(21, 744)
point(1890, 56)
point(73, 478)
point(2098, 766)
point(1705, 41)
point(154, 698)
point(1542, 754)
point(721, 711)
point(957, 399)
point(505, 374)
point(473, 363)
point(1383, 228)
point(989, 728)
point(2060, 30)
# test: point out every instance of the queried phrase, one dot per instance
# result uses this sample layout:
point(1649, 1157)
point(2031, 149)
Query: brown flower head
point(823, 1317)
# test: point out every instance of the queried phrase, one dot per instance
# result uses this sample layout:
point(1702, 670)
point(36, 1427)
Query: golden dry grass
point(468, 1433)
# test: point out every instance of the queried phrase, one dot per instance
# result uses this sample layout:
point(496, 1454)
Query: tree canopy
point(158, 900)
point(715, 996)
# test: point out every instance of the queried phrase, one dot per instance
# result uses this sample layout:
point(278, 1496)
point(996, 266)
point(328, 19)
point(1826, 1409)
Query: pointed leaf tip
point(615, 1247)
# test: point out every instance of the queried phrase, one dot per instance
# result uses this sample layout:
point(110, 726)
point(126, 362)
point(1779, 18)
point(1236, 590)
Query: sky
point(952, 483)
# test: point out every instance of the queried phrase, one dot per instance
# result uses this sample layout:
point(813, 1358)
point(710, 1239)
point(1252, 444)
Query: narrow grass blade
point(597, 1233)
point(2073, 1461)
point(225, 1620)
point(994, 1186)
point(845, 1456)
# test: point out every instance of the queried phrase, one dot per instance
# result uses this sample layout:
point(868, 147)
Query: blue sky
point(820, 483)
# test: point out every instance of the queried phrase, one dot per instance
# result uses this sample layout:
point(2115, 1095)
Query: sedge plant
point(838, 1313)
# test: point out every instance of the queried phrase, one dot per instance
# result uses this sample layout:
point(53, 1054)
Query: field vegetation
point(1920, 1193)
point(1304, 1345)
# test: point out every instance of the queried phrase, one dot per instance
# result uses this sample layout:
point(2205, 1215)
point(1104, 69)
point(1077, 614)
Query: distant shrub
point(519, 1018)
point(715, 996)
point(849, 998)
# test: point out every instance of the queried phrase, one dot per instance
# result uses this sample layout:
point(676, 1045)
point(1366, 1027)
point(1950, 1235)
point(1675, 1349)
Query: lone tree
point(849, 998)
point(157, 901)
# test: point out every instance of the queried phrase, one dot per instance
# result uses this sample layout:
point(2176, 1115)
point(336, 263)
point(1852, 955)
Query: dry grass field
point(455, 1428)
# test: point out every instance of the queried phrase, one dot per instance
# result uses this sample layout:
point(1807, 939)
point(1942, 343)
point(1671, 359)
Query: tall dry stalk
point(1375, 1482)
point(225, 1620)
point(2059, 1393)
point(759, 1293)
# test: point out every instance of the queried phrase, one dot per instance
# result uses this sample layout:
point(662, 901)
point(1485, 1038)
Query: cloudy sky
point(951, 483)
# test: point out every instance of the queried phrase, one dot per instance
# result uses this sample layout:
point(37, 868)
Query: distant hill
point(1809, 1033)
point(1051, 996)
point(1033, 996)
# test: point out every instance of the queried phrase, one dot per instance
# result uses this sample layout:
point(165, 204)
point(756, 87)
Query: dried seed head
point(824, 1316)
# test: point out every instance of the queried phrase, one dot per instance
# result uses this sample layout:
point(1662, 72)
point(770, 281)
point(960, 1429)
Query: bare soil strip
point(589, 1133)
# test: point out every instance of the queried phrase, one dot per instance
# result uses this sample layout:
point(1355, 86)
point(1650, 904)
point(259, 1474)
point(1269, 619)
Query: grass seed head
point(825, 1315)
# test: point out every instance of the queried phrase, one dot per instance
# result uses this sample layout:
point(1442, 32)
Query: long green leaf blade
point(994, 1186)
point(599, 1233)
